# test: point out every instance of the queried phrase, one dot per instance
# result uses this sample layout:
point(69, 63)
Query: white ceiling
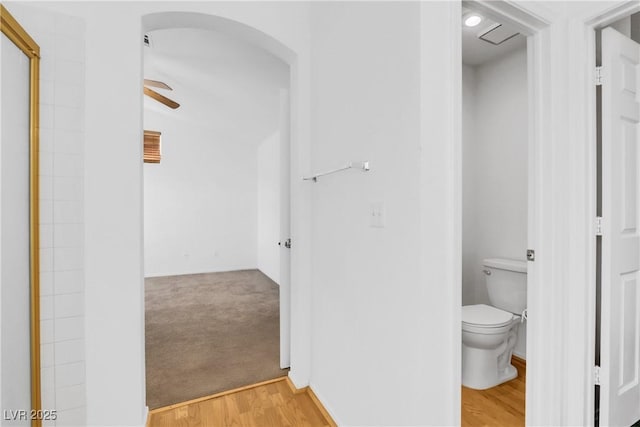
point(476, 51)
point(218, 80)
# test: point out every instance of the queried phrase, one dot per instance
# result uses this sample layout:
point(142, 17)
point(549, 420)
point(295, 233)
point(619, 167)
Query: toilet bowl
point(488, 339)
point(490, 332)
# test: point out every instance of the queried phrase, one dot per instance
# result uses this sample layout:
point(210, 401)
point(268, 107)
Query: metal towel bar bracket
point(362, 166)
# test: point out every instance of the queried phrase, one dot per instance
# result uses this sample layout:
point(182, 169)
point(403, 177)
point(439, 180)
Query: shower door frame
point(12, 29)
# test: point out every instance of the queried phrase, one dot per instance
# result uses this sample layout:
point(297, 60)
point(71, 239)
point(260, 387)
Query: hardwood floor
point(275, 403)
point(271, 403)
point(498, 406)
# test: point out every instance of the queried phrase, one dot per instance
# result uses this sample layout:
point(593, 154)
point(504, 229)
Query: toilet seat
point(481, 316)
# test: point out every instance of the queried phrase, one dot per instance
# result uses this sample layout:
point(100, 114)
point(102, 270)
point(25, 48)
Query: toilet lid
point(485, 315)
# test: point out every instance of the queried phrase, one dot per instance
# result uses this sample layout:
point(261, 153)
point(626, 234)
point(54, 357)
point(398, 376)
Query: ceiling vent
point(498, 34)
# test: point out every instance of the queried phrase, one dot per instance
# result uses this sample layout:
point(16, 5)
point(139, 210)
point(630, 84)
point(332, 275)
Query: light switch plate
point(377, 216)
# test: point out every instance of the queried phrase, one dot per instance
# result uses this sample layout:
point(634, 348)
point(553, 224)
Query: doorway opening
point(495, 217)
point(216, 194)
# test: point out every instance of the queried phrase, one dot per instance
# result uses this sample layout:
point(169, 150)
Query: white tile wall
point(67, 258)
point(67, 282)
point(67, 188)
point(69, 351)
point(68, 141)
point(46, 358)
point(67, 212)
point(70, 374)
point(46, 187)
point(46, 235)
point(68, 235)
point(46, 283)
point(61, 39)
point(68, 305)
point(70, 397)
point(46, 331)
point(72, 417)
point(69, 328)
point(46, 211)
point(46, 307)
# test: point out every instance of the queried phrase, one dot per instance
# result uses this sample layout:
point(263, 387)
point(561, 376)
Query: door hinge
point(598, 76)
point(287, 243)
point(596, 375)
point(598, 226)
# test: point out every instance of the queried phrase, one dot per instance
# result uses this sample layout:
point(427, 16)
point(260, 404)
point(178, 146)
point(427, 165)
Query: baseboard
point(213, 396)
point(147, 417)
point(519, 360)
point(520, 356)
point(296, 382)
point(325, 413)
point(294, 389)
point(231, 270)
point(328, 414)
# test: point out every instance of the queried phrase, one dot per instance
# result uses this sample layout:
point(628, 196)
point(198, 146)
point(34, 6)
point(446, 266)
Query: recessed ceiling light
point(472, 20)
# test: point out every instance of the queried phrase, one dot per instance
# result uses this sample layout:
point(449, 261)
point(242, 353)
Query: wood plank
point(272, 403)
point(503, 405)
point(213, 396)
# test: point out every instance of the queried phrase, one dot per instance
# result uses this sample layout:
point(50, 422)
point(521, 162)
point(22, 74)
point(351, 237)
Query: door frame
point(295, 295)
point(285, 228)
point(562, 203)
point(535, 25)
point(588, 25)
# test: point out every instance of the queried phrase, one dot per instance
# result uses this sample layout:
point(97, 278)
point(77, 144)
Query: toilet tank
point(506, 283)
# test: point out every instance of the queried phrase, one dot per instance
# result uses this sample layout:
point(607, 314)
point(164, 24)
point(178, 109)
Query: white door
point(285, 231)
point(620, 344)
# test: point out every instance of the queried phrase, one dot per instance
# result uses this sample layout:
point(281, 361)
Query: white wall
point(62, 309)
point(468, 175)
point(373, 329)
point(269, 189)
point(200, 200)
point(495, 153)
point(495, 146)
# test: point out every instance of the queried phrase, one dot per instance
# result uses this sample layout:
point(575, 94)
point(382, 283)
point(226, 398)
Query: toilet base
point(508, 374)
point(484, 367)
point(484, 382)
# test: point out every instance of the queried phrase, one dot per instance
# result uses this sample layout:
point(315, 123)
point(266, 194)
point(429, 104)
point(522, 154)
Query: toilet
point(490, 332)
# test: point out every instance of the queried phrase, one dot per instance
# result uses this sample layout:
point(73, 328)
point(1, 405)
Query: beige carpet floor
point(207, 333)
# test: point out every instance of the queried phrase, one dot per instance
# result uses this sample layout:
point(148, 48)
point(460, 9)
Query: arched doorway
point(165, 21)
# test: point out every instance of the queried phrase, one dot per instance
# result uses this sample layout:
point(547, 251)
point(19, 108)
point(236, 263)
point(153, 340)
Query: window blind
point(151, 146)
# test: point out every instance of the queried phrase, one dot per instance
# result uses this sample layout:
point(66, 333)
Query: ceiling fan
point(157, 96)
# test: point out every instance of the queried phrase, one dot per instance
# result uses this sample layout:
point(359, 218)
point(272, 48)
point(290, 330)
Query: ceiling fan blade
point(160, 98)
point(156, 83)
